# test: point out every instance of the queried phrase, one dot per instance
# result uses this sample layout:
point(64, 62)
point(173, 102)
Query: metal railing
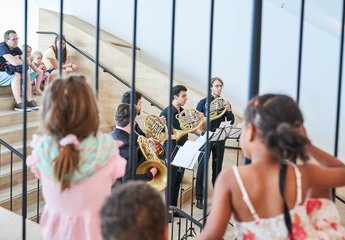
point(12, 152)
point(104, 68)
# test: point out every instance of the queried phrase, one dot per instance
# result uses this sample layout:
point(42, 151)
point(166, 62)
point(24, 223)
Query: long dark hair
point(55, 48)
point(278, 120)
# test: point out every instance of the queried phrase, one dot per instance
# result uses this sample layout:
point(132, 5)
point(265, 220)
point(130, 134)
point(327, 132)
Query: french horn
point(155, 128)
point(190, 121)
point(154, 154)
point(217, 108)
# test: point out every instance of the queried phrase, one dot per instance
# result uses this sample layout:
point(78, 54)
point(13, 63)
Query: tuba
point(154, 154)
point(155, 128)
point(190, 121)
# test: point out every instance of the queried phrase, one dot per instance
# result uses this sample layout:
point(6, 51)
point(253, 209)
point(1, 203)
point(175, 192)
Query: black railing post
point(24, 101)
point(170, 117)
point(300, 52)
point(207, 146)
point(132, 153)
point(97, 47)
point(254, 74)
point(60, 38)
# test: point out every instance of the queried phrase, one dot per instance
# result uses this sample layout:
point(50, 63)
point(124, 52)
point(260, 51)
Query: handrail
point(9, 147)
point(105, 69)
point(185, 215)
point(125, 46)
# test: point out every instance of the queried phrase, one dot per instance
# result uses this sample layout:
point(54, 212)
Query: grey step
point(5, 90)
point(31, 198)
point(9, 117)
point(16, 175)
point(5, 154)
point(14, 132)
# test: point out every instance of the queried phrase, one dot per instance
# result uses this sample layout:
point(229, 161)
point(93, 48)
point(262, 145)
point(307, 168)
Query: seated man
point(126, 98)
point(122, 133)
point(134, 211)
point(11, 70)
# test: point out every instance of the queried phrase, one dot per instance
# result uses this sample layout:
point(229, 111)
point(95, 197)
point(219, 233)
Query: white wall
point(12, 17)
point(232, 29)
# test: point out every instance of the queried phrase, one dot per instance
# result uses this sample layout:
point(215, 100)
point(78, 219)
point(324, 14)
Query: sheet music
point(200, 141)
point(186, 155)
point(218, 135)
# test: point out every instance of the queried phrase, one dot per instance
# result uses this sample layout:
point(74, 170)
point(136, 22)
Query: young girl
point(36, 74)
point(76, 164)
point(268, 198)
point(37, 61)
point(50, 58)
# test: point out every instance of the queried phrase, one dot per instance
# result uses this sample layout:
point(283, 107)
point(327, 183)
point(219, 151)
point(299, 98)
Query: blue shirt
point(229, 116)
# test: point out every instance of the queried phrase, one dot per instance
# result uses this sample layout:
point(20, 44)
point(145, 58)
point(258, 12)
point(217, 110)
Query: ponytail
point(65, 164)
point(287, 142)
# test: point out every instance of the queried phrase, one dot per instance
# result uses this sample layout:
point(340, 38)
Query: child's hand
point(69, 69)
point(43, 67)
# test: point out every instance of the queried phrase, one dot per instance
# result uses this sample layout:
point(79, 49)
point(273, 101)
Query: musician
point(122, 133)
point(126, 98)
point(179, 99)
point(217, 148)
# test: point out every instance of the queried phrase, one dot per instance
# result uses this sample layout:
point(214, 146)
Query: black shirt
point(175, 122)
point(229, 116)
point(4, 49)
point(123, 136)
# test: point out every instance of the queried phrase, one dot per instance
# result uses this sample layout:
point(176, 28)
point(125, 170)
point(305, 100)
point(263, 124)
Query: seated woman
point(50, 59)
point(269, 199)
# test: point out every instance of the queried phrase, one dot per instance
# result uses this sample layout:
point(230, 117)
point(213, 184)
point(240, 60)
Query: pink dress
point(74, 213)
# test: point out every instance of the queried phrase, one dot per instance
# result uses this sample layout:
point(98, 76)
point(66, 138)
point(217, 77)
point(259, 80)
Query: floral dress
point(315, 219)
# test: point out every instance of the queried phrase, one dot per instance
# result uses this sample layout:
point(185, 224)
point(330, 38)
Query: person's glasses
point(218, 86)
point(14, 39)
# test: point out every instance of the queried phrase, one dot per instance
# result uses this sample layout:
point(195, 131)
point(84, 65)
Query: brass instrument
point(150, 148)
point(217, 108)
point(190, 121)
point(155, 128)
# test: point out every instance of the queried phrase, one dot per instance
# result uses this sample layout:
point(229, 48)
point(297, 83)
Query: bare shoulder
point(226, 178)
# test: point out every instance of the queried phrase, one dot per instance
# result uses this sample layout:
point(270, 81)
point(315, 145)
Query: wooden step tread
point(17, 190)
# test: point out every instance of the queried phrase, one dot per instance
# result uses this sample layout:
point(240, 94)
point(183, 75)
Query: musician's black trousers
point(176, 179)
point(217, 150)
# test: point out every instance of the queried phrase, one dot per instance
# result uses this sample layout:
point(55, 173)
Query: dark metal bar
point(25, 79)
point(11, 182)
point(254, 75)
point(336, 141)
point(207, 146)
point(300, 52)
point(60, 38)
point(105, 69)
point(170, 114)
point(340, 199)
point(132, 153)
point(38, 201)
point(97, 48)
point(336, 138)
point(8, 146)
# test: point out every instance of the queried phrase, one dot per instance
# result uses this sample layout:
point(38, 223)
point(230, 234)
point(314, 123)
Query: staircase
point(11, 131)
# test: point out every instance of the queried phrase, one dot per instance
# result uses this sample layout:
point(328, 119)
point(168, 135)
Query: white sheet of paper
point(218, 135)
point(200, 141)
point(185, 155)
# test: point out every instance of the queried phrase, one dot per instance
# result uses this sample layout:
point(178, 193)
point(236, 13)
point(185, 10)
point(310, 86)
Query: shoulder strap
point(298, 185)
point(245, 194)
point(287, 217)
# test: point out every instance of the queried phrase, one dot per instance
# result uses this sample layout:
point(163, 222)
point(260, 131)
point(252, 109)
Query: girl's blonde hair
point(69, 107)
point(37, 53)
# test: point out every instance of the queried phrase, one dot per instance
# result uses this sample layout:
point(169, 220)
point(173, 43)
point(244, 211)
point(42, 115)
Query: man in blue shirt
point(217, 148)
point(11, 70)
